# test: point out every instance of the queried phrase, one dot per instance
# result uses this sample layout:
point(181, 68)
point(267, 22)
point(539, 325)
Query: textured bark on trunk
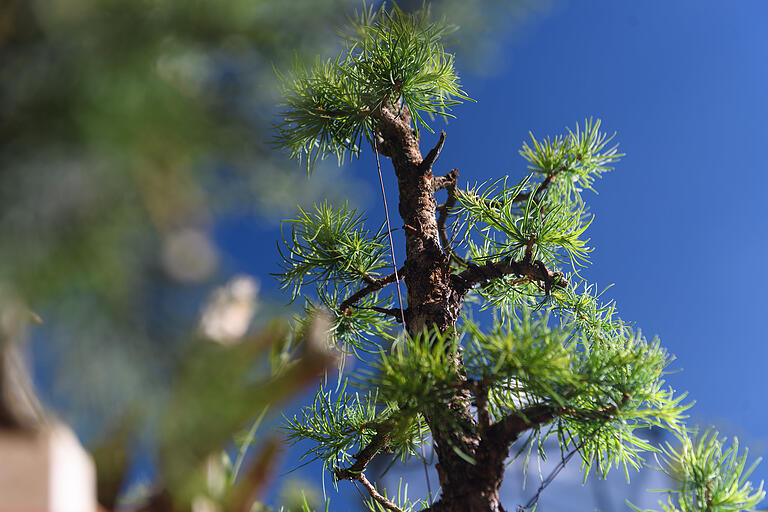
point(434, 300)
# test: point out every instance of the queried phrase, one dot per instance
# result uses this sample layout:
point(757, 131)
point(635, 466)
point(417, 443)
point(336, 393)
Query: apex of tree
point(389, 58)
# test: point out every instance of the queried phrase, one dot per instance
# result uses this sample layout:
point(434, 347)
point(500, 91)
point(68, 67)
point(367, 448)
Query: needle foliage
point(387, 54)
point(550, 360)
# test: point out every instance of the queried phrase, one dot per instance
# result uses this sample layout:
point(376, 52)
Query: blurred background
point(140, 201)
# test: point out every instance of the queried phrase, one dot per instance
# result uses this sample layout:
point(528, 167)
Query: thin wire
point(556, 471)
point(424, 463)
point(389, 233)
point(399, 296)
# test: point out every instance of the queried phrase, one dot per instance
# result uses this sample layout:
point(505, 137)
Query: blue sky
point(680, 226)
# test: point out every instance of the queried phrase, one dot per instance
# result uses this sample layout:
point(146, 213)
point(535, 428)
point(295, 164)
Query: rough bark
point(434, 300)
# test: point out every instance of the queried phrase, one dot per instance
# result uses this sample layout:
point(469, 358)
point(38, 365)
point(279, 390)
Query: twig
point(609, 411)
point(444, 182)
point(398, 313)
point(376, 496)
point(447, 182)
point(540, 189)
point(375, 286)
point(534, 270)
point(431, 157)
point(551, 476)
point(508, 429)
point(365, 455)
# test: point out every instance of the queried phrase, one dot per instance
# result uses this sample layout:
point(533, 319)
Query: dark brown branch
point(540, 189)
point(508, 429)
point(447, 182)
point(431, 157)
point(505, 431)
point(529, 247)
point(379, 441)
point(373, 286)
point(444, 182)
point(534, 270)
point(606, 413)
point(384, 502)
point(397, 313)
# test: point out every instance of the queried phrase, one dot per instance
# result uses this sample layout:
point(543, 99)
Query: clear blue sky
point(680, 226)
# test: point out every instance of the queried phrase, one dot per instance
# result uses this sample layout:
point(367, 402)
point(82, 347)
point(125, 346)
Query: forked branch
point(447, 182)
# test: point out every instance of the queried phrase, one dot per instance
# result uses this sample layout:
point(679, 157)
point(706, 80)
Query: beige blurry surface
point(45, 471)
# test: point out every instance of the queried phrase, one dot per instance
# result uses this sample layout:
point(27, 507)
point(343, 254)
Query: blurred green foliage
point(124, 122)
point(127, 129)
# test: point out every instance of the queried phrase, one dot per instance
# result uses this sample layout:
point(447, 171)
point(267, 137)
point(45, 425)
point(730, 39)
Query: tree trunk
point(433, 301)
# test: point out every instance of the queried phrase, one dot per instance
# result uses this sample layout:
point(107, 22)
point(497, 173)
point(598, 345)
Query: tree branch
point(431, 157)
point(505, 431)
point(540, 189)
point(447, 182)
point(523, 197)
point(373, 286)
point(376, 496)
point(365, 455)
point(535, 270)
point(444, 182)
point(397, 313)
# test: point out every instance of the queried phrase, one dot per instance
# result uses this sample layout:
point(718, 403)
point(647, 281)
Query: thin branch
point(551, 477)
point(561, 465)
point(372, 287)
point(431, 157)
point(505, 431)
point(508, 429)
point(447, 182)
point(443, 182)
point(368, 279)
point(524, 196)
point(379, 441)
point(376, 496)
point(397, 313)
point(540, 189)
point(534, 270)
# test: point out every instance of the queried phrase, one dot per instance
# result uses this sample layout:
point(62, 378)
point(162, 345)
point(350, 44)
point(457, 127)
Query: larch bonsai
point(557, 361)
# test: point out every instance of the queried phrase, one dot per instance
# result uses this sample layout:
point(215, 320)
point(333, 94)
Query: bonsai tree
point(556, 360)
